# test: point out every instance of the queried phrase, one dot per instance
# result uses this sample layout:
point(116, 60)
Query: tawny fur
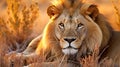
point(98, 33)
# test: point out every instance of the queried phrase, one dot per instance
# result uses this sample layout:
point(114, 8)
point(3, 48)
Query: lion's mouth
point(70, 47)
point(69, 51)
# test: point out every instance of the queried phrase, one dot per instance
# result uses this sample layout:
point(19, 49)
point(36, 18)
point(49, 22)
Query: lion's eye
point(80, 25)
point(61, 25)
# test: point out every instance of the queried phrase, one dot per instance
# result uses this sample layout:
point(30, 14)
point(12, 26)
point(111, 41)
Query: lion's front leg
point(32, 46)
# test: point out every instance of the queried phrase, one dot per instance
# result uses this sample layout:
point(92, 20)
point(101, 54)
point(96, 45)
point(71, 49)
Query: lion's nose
point(69, 40)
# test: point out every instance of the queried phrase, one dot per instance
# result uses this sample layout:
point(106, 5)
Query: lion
point(74, 30)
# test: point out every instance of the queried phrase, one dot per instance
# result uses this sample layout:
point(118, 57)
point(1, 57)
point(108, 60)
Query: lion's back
point(113, 50)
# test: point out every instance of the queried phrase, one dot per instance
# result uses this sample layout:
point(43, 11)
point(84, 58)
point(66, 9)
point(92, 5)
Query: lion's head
point(74, 28)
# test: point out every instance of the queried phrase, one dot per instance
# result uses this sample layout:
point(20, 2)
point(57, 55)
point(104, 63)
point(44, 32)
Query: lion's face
point(72, 31)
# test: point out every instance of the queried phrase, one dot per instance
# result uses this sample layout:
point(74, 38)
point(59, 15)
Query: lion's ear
point(52, 11)
point(90, 10)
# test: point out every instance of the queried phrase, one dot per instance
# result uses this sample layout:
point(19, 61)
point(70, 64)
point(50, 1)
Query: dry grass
point(19, 25)
point(90, 61)
point(15, 34)
point(117, 12)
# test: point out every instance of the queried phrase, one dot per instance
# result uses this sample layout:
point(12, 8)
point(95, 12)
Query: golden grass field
point(23, 20)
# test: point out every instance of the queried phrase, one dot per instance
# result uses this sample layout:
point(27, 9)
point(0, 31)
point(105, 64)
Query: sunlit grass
point(15, 31)
point(117, 12)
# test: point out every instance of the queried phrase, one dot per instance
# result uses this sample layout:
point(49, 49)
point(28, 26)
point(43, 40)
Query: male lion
point(74, 30)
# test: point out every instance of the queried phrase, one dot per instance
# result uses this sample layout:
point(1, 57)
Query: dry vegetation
point(117, 12)
point(16, 32)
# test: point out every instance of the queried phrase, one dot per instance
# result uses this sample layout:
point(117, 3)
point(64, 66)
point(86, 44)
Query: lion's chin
point(69, 51)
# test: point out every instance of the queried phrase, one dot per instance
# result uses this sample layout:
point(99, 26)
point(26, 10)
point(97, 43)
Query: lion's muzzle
point(69, 47)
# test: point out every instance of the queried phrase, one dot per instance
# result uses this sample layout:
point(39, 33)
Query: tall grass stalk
point(117, 12)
